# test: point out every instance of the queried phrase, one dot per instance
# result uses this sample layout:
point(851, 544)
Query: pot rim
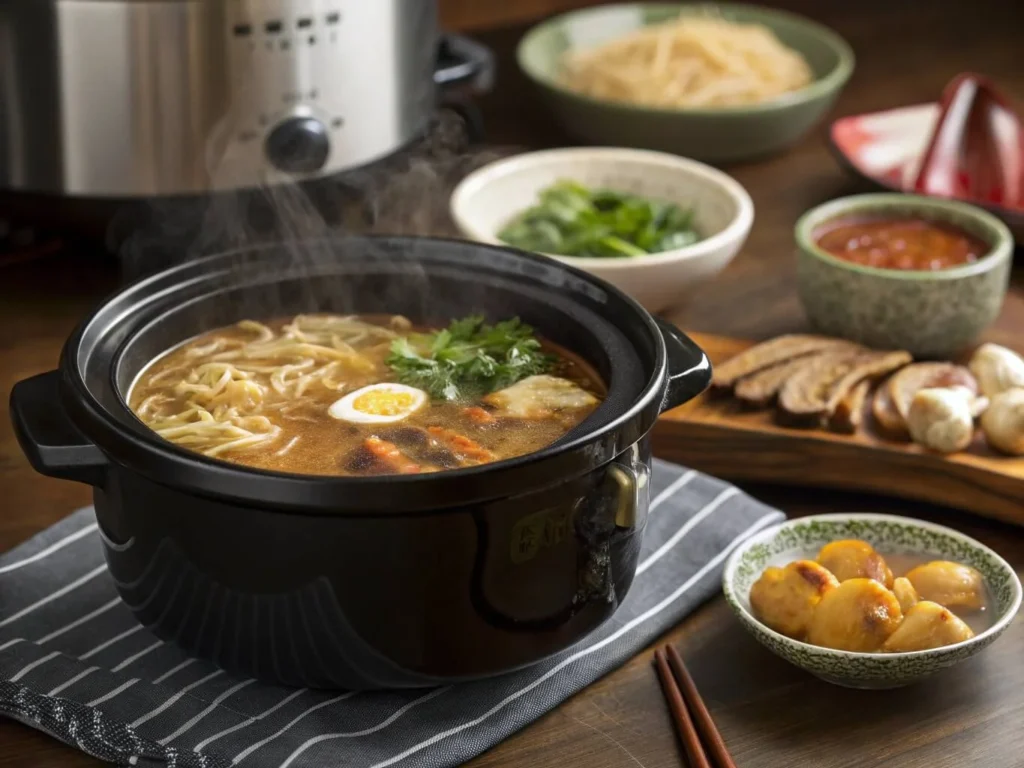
point(158, 459)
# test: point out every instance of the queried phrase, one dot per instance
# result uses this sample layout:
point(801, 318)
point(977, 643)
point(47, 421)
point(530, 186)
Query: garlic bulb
point(1003, 422)
point(997, 369)
point(942, 418)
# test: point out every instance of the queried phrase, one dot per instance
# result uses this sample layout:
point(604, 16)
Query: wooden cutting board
point(717, 436)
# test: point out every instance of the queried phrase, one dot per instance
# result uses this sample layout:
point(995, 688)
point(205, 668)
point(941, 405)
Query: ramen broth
point(315, 395)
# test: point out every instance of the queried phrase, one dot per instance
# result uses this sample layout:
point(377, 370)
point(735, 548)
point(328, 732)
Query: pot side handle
point(464, 68)
point(689, 370)
point(462, 61)
point(52, 444)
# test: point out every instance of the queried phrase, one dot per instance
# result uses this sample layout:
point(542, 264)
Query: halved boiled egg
point(383, 403)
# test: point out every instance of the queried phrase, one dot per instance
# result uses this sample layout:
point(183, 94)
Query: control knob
point(298, 145)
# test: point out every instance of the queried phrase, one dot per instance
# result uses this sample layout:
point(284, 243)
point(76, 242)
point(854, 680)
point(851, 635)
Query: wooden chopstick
point(709, 733)
point(691, 741)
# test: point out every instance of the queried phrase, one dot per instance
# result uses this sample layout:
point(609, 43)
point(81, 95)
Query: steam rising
point(404, 194)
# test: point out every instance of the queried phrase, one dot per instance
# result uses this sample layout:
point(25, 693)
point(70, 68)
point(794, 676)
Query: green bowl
point(931, 314)
point(802, 538)
point(723, 134)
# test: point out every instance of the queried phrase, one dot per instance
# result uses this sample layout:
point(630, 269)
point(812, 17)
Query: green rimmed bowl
point(725, 134)
point(931, 314)
point(803, 537)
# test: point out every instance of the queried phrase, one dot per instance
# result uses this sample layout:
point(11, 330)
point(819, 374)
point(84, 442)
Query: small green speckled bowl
point(802, 538)
point(713, 135)
point(931, 314)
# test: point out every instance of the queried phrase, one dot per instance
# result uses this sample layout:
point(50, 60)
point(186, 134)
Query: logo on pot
point(538, 531)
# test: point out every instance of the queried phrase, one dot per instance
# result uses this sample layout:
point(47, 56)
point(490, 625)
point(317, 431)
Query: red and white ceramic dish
point(968, 146)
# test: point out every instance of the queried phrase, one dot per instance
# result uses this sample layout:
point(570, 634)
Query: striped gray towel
point(75, 664)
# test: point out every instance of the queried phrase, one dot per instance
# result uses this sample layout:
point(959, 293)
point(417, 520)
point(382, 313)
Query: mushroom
point(997, 369)
point(942, 418)
point(1003, 422)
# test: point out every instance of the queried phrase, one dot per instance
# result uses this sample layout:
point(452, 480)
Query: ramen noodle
point(320, 394)
point(689, 62)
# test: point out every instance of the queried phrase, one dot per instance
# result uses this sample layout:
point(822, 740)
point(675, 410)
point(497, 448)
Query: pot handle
point(464, 68)
point(462, 61)
point(52, 443)
point(689, 370)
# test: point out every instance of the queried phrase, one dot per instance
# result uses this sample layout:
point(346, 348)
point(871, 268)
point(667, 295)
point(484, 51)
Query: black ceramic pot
point(380, 582)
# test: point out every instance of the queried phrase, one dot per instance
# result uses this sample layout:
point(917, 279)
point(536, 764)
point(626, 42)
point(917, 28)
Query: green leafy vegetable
point(571, 220)
point(468, 358)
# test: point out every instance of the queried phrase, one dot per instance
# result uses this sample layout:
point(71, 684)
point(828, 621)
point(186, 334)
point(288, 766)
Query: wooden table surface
point(771, 715)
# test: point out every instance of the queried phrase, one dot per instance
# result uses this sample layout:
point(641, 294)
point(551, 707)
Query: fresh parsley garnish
point(469, 358)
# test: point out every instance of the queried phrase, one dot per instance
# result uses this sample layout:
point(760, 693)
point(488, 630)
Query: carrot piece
point(390, 455)
point(461, 444)
point(478, 415)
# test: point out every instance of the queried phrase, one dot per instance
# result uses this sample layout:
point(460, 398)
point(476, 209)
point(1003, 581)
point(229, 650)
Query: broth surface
point(906, 243)
point(273, 396)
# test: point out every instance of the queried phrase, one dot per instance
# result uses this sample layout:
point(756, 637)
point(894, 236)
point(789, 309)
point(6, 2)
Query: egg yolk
point(377, 403)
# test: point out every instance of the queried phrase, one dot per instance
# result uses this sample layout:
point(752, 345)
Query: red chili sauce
point(914, 244)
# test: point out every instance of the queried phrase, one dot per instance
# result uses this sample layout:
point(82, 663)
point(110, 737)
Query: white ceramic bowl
point(487, 199)
point(801, 539)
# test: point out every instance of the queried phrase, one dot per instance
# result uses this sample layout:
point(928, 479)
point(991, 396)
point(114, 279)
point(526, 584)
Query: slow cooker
point(127, 99)
point(368, 582)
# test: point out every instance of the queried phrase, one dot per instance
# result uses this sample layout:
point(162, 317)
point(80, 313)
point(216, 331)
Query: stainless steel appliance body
point(132, 98)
